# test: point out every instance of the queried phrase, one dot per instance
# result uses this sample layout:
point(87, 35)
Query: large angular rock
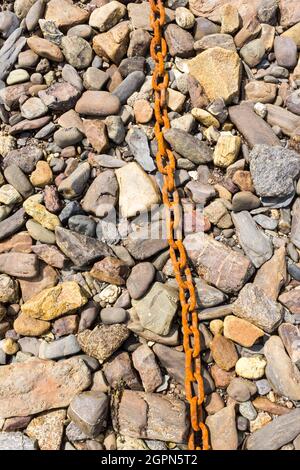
point(272, 276)
point(217, 264)
point(151, 416)
point(61, 96)
point(103, 340)
point(101, 195)
point(88, 411)
point(19, 264)
point(274, 170)
point(257, 246)
point(25, 158)
point(12, 224)
point(46, 385)
point(222, 428)
point(291, 300)
point(81, 249)
point(289, 13)
point(132, 200)
point(146, 240)
point(55, 301)
point(277, 433)
point(188, 146)
point(157, 309)
point(219, 72)
point(145, 363)
point(256, 307)
point(213, 9)
point(65, 14)
point(283, 375)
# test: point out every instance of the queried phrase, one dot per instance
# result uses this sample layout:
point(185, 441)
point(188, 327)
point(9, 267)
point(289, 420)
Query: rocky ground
point(91, 352)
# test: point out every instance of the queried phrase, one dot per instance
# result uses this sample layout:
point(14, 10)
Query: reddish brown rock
point(47, 277)
point(28, 125)
point(221, 377)
point(152, 416)
point(218, 264)
point(65, 14)
point(264, 404)
point(213, 403)
point(145, 363)
point(45, 48)
point(66, 326)
point(224, 352)
point(118, 371)
point(98, 103)
point(21, 242)
point(46, 384)
point(222, 428)
point(51, 255)
point(291, 300)
point(111, 270)
point(96, 134)
point(272, 275)
point(241, 331)
point(19, 264)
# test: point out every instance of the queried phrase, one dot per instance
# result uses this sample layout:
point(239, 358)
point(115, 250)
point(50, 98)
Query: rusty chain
point(166, 164)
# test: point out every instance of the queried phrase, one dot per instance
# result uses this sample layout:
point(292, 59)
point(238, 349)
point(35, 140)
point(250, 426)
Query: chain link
point(166, 164)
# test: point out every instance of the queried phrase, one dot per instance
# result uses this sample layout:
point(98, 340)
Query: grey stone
point(25, 158)
point(215, 40)
point(94, 79)
point(188, 146)
point(157, 309)
point(15, 176)
point(238, 389)
point(66, 137)
point(100, 198)
point(70, 75)
point(50, 31)
point(283, 375)
point(132, 64)
point(116, 133)
point(247, 410)
point(12, 224)
point(77, 51)
point(82, 224)
point(263, 386)
point(285, 50)
point(111, 315)
point(60, 348)
point(40, 233)
point(143, 242)
point(255, 306)
point(8, 23)
point(290, 336)
point(81, 249)
point(253, 52)
point(200, 193)
point(132, 83)
point(34, 14)
point(274, 170)
point(140, 279)
point(266, 222)
point(88, 411)
point(138, 145)
point(208, 296)
point(74, 185)
point(16, 441)
point(245, 201)
point(277, 433)
point(256, 245)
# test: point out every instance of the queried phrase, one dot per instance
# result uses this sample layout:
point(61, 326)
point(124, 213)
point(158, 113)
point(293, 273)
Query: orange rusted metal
point(166, 164)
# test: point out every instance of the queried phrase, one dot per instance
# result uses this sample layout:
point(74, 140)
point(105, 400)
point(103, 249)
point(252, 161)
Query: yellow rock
point(9, 346)
point(42, 174)
point(241, 331)
point(223, 192)
point(293, 33)
point(219, 71)
point(205, 118)
point(251, 367)
point(55, 301)
point(38, 212)
point(27, 326)
point(230, 19)
point(227, 149)
point(216, 327)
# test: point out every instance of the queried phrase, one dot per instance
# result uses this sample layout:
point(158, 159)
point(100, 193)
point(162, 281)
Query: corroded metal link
point(166, 164)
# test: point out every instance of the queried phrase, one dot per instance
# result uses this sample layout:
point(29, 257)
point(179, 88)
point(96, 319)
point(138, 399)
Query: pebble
point(251, 367)
point(111, 315)
point(63, 347)
point(17, 76)
point(77, 51)
point(88, 411)
point(130, 84)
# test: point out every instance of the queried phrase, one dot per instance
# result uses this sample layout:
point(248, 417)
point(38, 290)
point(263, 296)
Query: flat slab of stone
point(152, 416)
point(217, 264)
point(254, 129)
point(37, 385)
